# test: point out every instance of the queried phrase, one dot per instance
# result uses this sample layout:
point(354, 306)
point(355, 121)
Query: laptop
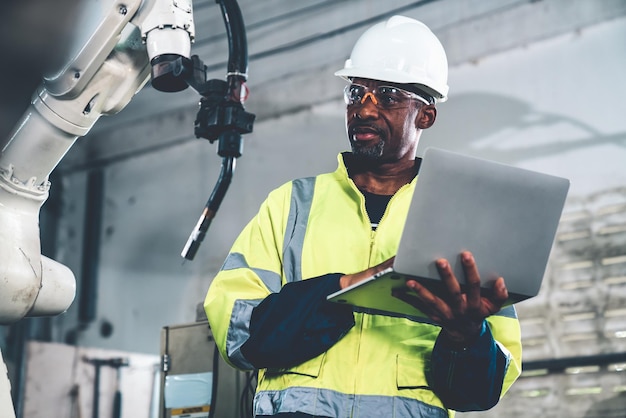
point(506, 216)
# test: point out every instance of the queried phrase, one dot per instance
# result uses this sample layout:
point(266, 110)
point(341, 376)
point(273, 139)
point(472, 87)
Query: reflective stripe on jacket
point(308, 228)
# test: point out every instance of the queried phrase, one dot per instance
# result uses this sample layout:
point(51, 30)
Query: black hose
point(210, 209)
point(237, 44)
point(223, 182)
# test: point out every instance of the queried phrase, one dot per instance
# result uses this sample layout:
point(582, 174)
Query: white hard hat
point(400, 50)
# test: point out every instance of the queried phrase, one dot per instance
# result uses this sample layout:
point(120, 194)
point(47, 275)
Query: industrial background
point(534, 83)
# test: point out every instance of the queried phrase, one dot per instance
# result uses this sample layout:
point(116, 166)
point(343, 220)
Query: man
point(267, 306)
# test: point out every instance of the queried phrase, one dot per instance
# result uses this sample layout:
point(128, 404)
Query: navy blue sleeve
point(468, 378)
point(297, 324)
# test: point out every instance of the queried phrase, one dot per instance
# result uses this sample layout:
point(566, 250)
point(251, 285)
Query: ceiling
point(294, 47)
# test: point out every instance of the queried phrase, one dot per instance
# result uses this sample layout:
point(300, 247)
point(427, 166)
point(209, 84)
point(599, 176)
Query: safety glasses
point(385, 97)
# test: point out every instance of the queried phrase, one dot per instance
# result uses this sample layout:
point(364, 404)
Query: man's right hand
point(350, 279)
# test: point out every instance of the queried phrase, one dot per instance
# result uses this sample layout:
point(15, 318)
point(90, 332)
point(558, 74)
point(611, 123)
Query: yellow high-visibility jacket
point(310, 228)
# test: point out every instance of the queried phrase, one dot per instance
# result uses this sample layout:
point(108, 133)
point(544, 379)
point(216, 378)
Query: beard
point(369, 152)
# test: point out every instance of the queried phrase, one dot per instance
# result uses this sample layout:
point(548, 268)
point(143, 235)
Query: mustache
point(356, 127)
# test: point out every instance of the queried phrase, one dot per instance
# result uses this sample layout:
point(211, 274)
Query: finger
point(472, 280)
point(496, 299)
point(349, 279)
point(500, 292)
point(413, 300)
point(434, 304)
point(454, 296)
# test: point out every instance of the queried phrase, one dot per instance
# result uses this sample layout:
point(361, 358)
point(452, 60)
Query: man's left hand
point(460, 314)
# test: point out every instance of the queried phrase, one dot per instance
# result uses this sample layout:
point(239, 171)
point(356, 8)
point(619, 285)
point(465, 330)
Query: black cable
point(216, 357)
point(236, 34)
point(210, 209)
point(242, 400)
point(252, 382)
point(247, 395)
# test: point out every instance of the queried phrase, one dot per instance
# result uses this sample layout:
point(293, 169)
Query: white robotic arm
point(118, 47)
point(116, 43)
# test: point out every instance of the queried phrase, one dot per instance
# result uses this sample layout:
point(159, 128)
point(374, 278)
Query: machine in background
point(196, 381)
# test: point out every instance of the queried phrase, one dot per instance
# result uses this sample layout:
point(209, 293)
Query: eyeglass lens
point(387, 97)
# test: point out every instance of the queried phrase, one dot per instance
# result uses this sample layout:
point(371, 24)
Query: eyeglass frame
point(371, 92)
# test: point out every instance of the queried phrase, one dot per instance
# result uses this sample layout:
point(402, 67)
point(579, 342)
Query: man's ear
point(426, 116)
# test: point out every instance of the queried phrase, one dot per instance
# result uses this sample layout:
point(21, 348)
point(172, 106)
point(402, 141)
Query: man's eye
point(356, 93)
point(389, 98)
point(390, 95)
point(388, 90)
